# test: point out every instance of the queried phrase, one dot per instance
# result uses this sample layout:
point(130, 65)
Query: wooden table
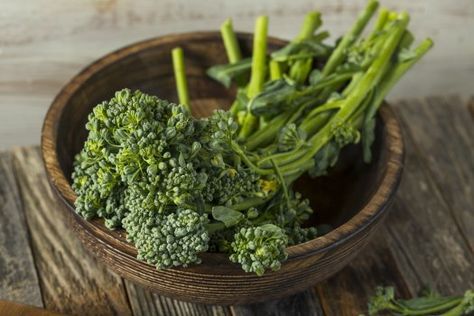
point(428, 239)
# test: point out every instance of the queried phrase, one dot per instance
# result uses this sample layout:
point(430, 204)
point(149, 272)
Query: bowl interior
point(335, 198)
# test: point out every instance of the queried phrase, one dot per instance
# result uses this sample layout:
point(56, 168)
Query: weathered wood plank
point(18, 278)
point(10, 308)
point(423, 236)
point(302, 304)
point(348, 292)
point(71, 280)
point(144, 302)
point(444, 134)
point(424, 240)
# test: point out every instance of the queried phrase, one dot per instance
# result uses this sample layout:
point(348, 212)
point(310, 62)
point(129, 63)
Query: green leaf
point(300, 69)
point(315, 76)
point(238, 72)
point(406, 55)
point(301, 50)
point(277, 231)
point(228, 216)
point(325, 158)
point(275, 97)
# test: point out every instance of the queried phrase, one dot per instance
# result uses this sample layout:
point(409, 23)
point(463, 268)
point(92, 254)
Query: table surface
point(427, 239)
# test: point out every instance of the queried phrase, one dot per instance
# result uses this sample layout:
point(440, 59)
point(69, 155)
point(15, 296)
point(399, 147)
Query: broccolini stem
point(236, 148)
point(311, 22)
point(257, 77)
point(354, 99)
point(394, 74)
point(350, 37)
point(461, 307)
point(379, 24)
point(230, 42)
point(251, 202)
point(180, 76)
point(266, 134)
point(275, 70)
point(311, 127)
point(259, 56)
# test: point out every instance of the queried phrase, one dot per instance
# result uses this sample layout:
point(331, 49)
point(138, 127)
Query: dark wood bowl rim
point(373, 209)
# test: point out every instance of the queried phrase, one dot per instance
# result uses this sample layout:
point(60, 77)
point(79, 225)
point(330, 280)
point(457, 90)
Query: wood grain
point(412, 248)
point(347, 293)
point(144, 302)
point(422, 232)
point(71, 281)
point(11, 308)
point(301, 304)
point(367, 188)
point(18, 279)
point(470, 107)
point(444, 134)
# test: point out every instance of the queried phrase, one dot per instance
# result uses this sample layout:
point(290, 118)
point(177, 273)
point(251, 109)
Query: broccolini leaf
point(237, 72)
point(324, 159)
point(315, 76)
point(275, 97)
point(227, 215)
point(301, 50)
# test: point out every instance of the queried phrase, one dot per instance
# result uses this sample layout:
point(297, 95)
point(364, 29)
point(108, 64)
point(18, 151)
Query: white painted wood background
point(43, 43)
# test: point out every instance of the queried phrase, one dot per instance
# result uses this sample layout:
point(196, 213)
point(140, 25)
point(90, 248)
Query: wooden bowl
point(353, 198)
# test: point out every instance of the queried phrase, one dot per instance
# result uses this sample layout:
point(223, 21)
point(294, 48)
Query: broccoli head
point(259, 248)
point(169, 240)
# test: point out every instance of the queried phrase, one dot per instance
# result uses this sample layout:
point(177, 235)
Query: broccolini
point(180, 185)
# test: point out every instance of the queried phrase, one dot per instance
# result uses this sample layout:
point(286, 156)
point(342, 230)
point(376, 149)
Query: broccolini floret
point(259, 248)
point(169, 240)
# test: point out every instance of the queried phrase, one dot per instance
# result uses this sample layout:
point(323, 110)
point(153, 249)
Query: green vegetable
point(230, 42)
point(180, 185)
point(180, 75)
point(431, 304)
point(259, 248)
point(257, 77)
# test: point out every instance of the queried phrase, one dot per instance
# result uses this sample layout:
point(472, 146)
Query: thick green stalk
point(230, 42)
point(394, 74)
point(275, 70)
point(180, 76)
point(379, 24)
point(311, 22)
point(354, 99)
point(269, 132)
point(350, 37)
point(300, 69)
point(259, 56)
point(257, 77)
point(311, 127)
point(264, 135)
